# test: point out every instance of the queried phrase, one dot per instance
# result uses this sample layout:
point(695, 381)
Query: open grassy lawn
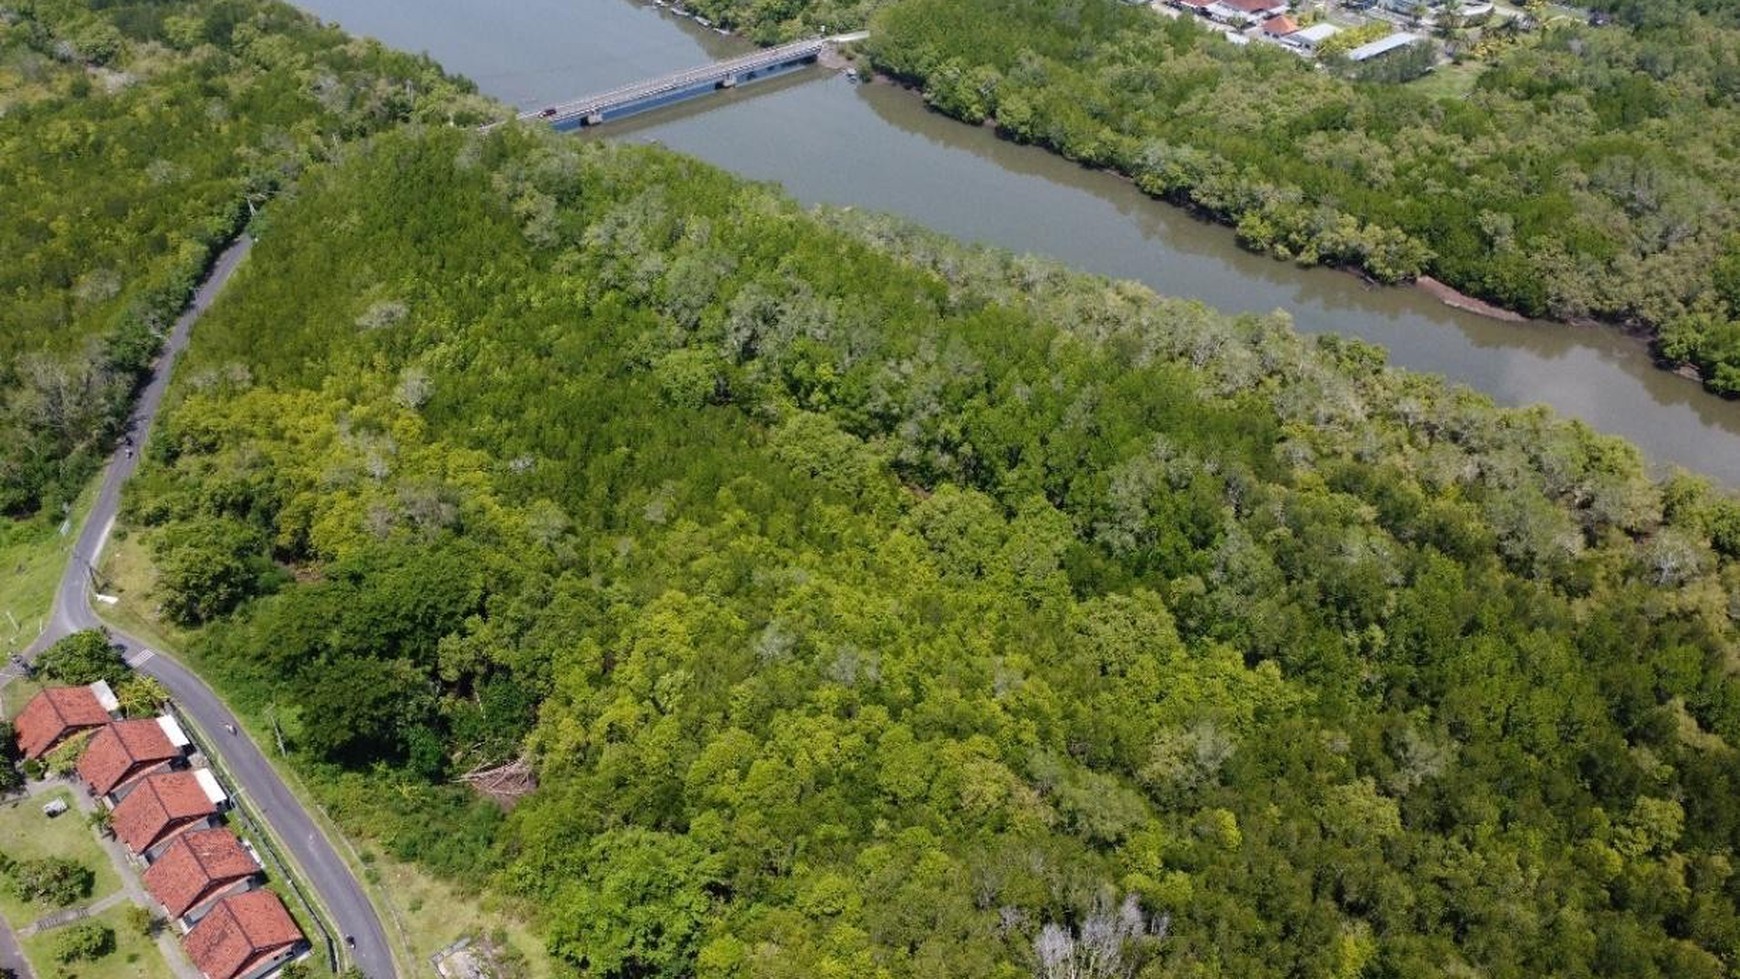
point(135, 956)
point(1449, 81)
point(26, 834)
point(16, 694)
point(431, 914)
point(127, 573)
point(32, 554)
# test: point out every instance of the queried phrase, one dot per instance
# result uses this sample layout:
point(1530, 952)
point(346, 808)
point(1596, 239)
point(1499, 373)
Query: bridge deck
point(676, 81)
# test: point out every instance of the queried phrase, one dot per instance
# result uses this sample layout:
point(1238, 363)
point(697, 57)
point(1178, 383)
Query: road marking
point(144, 654)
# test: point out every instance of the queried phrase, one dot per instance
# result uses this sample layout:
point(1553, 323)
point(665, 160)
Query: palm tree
point(141, 696)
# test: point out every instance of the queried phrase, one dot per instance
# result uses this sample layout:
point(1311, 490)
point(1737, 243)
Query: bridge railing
point(678, 80)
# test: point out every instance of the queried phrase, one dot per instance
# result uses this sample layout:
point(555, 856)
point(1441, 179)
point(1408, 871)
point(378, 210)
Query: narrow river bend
point(830, 141)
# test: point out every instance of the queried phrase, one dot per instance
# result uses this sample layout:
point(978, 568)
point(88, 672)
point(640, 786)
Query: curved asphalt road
point(247, 767)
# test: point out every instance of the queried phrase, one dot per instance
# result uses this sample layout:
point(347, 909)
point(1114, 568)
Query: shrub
point(141, 921)
point(83, 943)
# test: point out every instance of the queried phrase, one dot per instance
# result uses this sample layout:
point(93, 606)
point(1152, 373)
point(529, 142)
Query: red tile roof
point(1253, 6)
point(160, 805)
point(1279, 26)
point(196, 864)
point(241, 931)
point(55, 713)
point(121, 749)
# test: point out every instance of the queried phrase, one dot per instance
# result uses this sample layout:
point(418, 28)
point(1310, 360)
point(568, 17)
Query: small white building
point(1308, 38)
point(1244, 13)
point(1382, 46)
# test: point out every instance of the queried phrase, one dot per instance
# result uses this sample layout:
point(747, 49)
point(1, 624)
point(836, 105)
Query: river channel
point(828, 140)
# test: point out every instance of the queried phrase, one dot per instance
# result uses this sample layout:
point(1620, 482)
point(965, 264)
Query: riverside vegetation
point(1590, 172)
point(137, 138)
point(869, 605)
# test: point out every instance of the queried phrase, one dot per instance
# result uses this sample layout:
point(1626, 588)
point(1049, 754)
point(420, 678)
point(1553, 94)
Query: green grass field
point(26, 834)
point(1449, 81)
point(127, 573)
point(16, 694)
point(32, 554)
point(135, 956)
point(431, 914)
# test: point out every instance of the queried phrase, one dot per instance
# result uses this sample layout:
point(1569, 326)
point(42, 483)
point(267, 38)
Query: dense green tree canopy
point(870, 606)
point(1585, 172)
point(863, 605)
point(84, 657)
point(1588, 173)
point(139, 136)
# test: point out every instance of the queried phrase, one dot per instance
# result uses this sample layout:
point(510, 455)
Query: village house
point(1276, 28)
point(1308, 38)
point(197, 869)
point(124, 752)
point(1243, 13)
point(244, 936)
point(164, 806)
point(1382, 46)
point(58, 713)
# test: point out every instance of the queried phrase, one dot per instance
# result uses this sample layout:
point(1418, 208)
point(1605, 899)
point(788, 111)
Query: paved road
point(254, 777)
point(11, 956)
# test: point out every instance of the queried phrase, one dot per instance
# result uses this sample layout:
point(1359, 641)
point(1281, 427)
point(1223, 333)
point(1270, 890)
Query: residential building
point(164, 806)
point(124, 752)
point(197, 869)
point(1278, 27)
point(244, 936)
point(1382, 46)
point(57, 713)
point(1308, 38)
point(1243, 13)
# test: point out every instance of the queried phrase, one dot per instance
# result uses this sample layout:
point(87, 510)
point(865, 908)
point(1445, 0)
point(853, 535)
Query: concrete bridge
point(681, 85)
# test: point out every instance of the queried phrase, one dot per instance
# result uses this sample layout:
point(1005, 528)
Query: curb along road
point(320, 865)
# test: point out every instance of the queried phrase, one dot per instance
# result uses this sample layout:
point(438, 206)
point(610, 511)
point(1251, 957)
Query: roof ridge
point(253, 943)
point(127, 747)
point(150, 782)
point(198, 858)
point(235, 919)
point(54, 705)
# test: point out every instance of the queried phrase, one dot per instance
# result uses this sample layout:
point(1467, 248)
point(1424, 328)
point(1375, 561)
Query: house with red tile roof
point(197, 869)
point(244, 936)
point(1279, 27)
point(124, 752)
point(163, 807)
point(57, 713)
